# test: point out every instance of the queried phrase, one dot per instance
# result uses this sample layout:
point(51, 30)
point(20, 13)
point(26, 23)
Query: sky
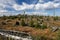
point(31, 7)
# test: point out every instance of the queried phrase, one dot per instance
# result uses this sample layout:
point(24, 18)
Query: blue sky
point(36, 7)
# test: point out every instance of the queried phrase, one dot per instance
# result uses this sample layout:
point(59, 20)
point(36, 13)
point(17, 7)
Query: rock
point(54, 29)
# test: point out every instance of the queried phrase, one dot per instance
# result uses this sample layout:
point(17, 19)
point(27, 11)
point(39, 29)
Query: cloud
point(56, 0)
point(38, 6)
point(3, 11)
point(48, 5)
point(11, 5)
point(4, 4)
point(23, 6)
point(40, 13)
point(36, 13)
point(17, 7)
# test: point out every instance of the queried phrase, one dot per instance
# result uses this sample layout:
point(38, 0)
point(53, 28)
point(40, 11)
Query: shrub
point(37, 25)
point(19, 18)
point(12, 17)
point(23, 23)
point(41, 17)
point(58, 35)
point(31, 23)
point(43, 26)
point(56, 18)
point(22, 16)
point(47, 18)
point(4, 17)
point(3, 23)
point(17, 23)
point(40, 26)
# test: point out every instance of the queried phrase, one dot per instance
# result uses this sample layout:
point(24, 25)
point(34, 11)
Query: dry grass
point(34, 31)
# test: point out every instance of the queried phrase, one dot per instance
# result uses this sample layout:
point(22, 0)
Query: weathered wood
point(15, 34)
point(54, 29)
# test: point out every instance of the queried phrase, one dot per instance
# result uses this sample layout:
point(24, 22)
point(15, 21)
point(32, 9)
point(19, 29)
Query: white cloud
point(38, 6)
point(11, 2)
point(36, 13)
point(57, 5)
point(56, 0)
point(23, 6)
point(6, 3)
point(2, 6)
point(40, 13)
point(48, 5)
point(3, 11)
